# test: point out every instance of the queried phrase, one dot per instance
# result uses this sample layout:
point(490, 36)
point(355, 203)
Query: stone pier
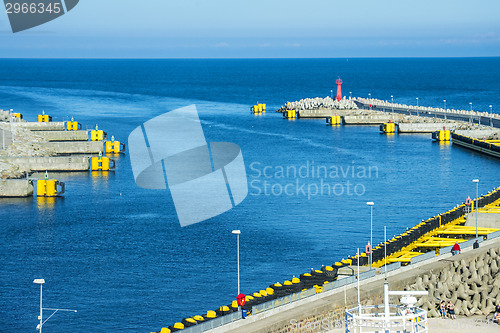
point(425, 127)
point(60, 163)
point(64, 135)
point(16, 188)
point(73, 147)
point(367, 120)
point(32, 126)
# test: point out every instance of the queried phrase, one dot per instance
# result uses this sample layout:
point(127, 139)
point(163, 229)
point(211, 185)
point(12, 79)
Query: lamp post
point(417, 102)
point(444, 101)
point(491, 108)
point(370, 203)
point(392, 102)
point(40, 317)
point(370, 97)
point(477, 196)
point(237, 233)
point(331, 93)
point(12, 130)
point(350, 94)
point(470, 103)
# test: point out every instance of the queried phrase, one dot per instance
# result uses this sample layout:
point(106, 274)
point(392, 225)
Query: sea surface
point(116, 252)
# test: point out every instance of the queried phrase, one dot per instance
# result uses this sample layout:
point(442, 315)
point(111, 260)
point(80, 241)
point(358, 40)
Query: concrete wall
point(477, 134)
point(476, 148)
point(424, 127)
point(63, 163)
point(484, 220)
point(64, 135)
point(7, 135)
point(15, 188)
point(73, 147)
point(367, 120)
point(321, 113)
point(51, 126)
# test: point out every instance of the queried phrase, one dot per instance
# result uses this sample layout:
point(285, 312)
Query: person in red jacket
point(456, 249)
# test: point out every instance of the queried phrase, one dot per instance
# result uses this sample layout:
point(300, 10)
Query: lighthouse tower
point(339, 89)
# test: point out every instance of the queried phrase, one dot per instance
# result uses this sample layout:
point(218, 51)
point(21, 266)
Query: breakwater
point(319, 103)
point(456, 281)
point(401, 118)
point(472, 284)
point(408, 249)
point(484, 145)
point(47, 145)
point(482, 118)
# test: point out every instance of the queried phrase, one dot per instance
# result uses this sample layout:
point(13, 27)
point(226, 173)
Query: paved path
point(460, 325)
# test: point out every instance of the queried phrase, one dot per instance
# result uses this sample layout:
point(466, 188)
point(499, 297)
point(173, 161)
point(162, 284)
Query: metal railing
point(422, 257)
point(283, 300)
point(213, 323)
point(372, 319)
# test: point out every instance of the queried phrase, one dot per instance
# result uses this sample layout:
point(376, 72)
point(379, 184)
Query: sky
point(262, 29)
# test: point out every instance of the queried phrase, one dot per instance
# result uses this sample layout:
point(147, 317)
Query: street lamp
point(331, 93)
point(491, 108)
point(40, 317)
point(370, 203)
point(392, 102)
point(417, 102)
point(470, 103)
point(237, 233)
point(350, 94)
point(444, 101)
point(370, 97)
point(40, 282)
point(477, 205)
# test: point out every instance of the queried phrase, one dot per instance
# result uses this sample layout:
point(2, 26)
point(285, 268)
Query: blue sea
point(116, 252)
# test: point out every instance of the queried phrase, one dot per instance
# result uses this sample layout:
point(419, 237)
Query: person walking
point(455, 249)
point(475, 245)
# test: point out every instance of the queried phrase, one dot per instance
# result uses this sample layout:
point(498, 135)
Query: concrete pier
point(425, 127)
point(15, 188)
point(367, 120)
point(476, 144)
point(73, 147)
point(50, 126)
point(60, 163)
point(482, 118)
point(64, 135)
point(321, 113)
point(478, 133)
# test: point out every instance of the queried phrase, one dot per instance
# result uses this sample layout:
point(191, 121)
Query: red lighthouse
point(339, 89)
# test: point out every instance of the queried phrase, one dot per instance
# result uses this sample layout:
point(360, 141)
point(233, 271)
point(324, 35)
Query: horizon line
point(242, 58)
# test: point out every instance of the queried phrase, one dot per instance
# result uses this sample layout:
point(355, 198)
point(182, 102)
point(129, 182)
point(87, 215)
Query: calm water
point(117, 253)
